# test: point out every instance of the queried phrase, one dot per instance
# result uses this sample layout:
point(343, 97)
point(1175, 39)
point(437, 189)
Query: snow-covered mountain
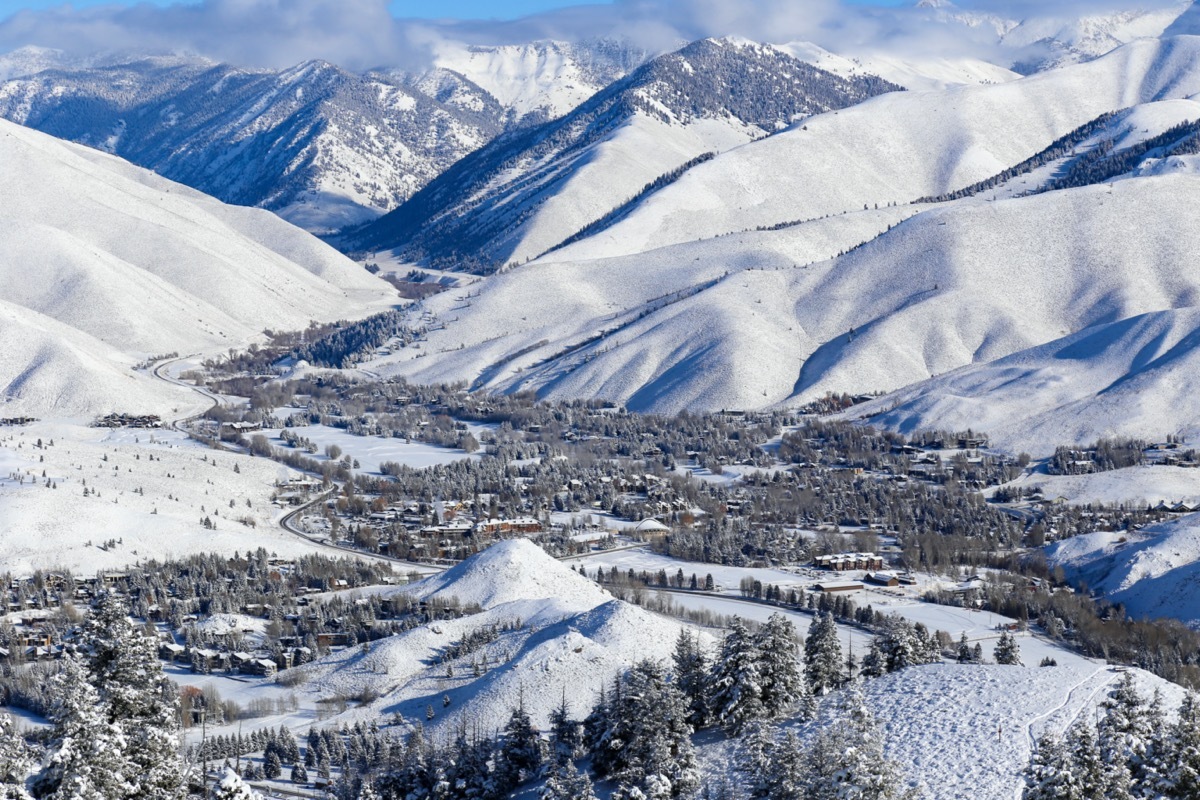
point(322, 147)
point(104, 264)
point(825, 276)
point(530, 192)
point(533, 82)
point(1050, 40)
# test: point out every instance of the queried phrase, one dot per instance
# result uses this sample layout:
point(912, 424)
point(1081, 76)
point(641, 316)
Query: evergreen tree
point(782, 682)
point(566, 734)
point(846, 759)
point(15, 761)
point(567, 783)
point(272, 767)
point(691, 676)
point(1007, 652)
point(1087, 767)
point(86, 760)
point(823, 656)
point(521, 753)
point(232, 787)
point(735, 687)
point(756, 759)
point(966, 655)
point(299, 774)
point(124, 667)
point(1185, 750)
point(646, 744)
point(1048, 776)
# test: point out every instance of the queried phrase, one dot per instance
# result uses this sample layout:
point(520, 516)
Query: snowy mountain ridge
point(322, 147)
point(530, 192)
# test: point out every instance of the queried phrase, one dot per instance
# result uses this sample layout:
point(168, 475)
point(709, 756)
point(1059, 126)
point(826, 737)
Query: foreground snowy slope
point(897, 148)
point(144, 266)
point(558, 636)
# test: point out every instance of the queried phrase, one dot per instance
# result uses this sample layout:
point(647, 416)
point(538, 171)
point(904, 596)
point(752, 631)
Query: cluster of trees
point(1106, 160)
point(1103, 456)
point(1132, 752)
point(115, 723)
point(1060, 148)
point(844, 759)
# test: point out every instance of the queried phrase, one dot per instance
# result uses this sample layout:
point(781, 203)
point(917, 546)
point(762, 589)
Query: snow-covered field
point(148, 490)
point(371, 451)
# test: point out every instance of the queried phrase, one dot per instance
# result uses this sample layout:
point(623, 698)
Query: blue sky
point(452, 9)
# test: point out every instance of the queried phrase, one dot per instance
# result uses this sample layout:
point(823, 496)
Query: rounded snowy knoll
point(511, 571)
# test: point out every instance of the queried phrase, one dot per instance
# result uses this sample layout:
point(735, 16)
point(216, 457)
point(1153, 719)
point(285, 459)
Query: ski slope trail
point(1067, 702)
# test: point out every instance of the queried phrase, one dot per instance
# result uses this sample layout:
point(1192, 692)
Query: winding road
point(287, 521)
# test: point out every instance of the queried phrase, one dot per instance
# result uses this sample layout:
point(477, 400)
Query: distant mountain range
point(734, 224)
point(322, 147)
point(529, 192)
point(328, 149)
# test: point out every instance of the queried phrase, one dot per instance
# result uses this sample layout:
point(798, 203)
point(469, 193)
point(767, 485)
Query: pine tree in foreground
point(521, 753)
point(15, 761)
point(823, 656)
point(124, 667)
point(567, 783)
point(691, 676)
point(1048, 776)
point(846, 759)
point(86, 760)
point(783, 687)
point(735, 688)
point(645, 743)
point(1185, 749)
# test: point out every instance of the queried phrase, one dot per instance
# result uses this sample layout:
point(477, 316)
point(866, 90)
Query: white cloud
point(361, 34)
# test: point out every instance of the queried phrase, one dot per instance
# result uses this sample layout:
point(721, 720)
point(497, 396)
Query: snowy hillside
point(530, 192)
point(1133, 378)
point(788, 320)
point(130, 262)
point(1154, 572)
point(982, 280)
point(897, 148)
point(557, 632)
point(967, 731)
point(322, 147)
